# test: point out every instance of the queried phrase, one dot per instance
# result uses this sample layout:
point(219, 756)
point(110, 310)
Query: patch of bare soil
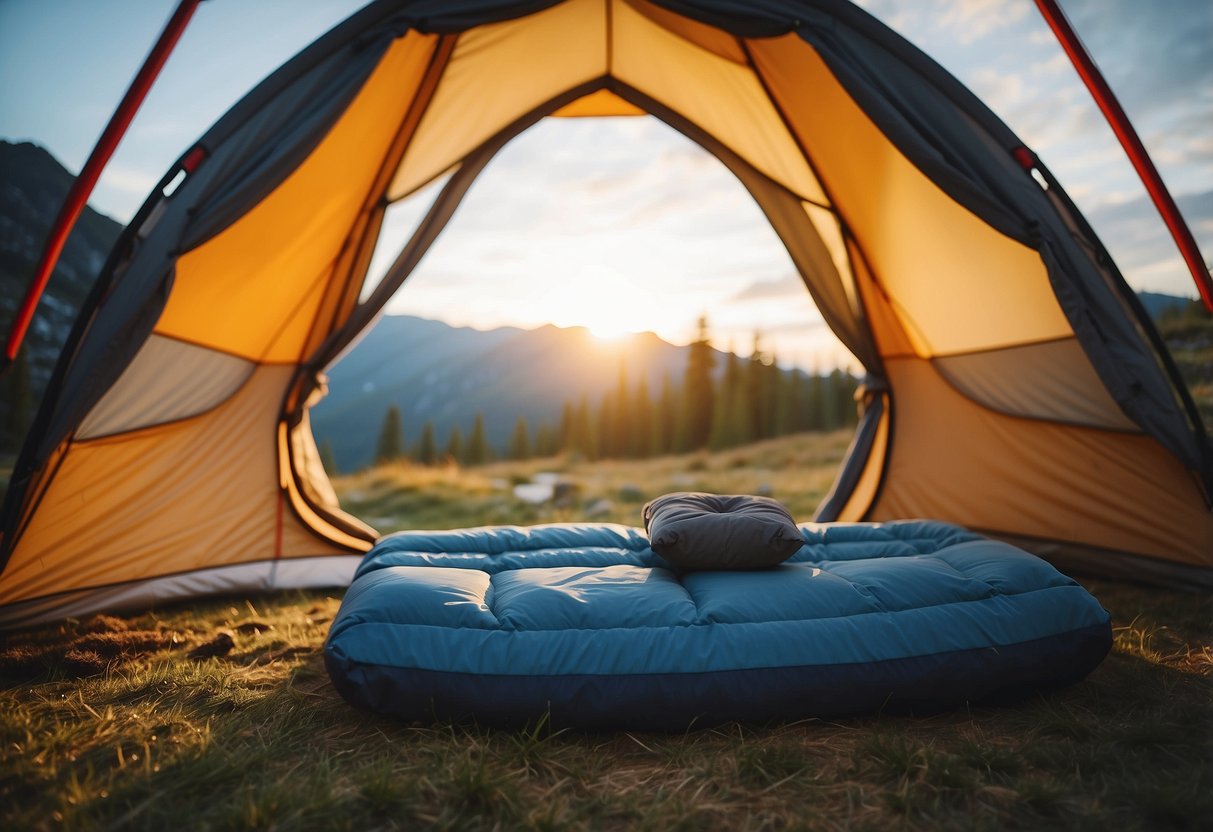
point(222, 643)
point(85, 650)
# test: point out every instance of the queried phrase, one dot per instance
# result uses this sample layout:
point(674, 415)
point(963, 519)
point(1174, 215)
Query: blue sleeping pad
point(584, 622)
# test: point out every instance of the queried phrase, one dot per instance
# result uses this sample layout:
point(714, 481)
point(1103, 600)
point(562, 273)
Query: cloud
point(1141, 245)
point(896, 14)
point(567, 177)
point(1055, 68)
point(1179, 146)
point(1000, 90)
point(789, 285)
point(128, 180)
point(1154, 55)
point(972, 20)
point(798, 327)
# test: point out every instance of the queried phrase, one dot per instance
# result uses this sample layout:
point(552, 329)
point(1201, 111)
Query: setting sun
point(609, 304)
point(611, 330)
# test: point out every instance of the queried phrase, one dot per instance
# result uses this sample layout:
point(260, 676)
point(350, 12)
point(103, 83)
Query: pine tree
point(665, 419)
point(815, 406)
point(582, 439)
point(804, 416)
point(848, 413)
point(327, 460)
point(642, 422)
point(520, 441)
point(621, 421)
point(755, 392)
point(698, 391)
point(839, 397)
point(478, 447)
point(772, 393)
point(727, 431)
point(547, 441)
point(830, 400)
point(391, 437)
point(565, 438)
point(426, 449)
point(454, 445)
point(606, 428)
point(788, 416)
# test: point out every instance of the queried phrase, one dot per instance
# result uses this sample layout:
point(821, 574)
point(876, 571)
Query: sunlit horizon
point(617, 225)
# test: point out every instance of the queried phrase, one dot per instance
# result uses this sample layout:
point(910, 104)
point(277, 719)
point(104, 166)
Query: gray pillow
point(696, 531)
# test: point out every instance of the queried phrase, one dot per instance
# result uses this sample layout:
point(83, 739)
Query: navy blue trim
point(676, 701)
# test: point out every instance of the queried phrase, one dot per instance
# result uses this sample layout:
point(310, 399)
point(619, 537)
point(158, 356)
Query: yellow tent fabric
point(190, 474)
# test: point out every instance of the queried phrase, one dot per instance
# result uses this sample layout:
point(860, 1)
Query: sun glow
point(617, 227)
point(610, 330)
point(610, 305)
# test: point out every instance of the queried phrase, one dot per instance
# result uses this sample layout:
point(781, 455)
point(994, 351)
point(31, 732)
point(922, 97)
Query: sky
point(574, 205)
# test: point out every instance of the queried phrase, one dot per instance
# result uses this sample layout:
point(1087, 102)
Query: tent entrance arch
point(803, 226)
point(636, 229)
point(1016, 386)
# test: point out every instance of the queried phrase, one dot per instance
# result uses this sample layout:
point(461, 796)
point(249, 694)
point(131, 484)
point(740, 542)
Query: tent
point(1013, 383)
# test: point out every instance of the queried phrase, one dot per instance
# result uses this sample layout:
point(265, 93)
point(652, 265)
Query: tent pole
point(77, 196)
point(1129, 140)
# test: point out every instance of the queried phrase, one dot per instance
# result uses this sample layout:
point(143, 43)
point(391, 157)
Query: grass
point(219, 715)
point(1188, 333)
point(797, 470)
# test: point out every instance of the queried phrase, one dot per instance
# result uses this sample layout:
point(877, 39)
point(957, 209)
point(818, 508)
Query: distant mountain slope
point(444, 374)
point(435, 372)
point(1158, 304)
point(33, 186)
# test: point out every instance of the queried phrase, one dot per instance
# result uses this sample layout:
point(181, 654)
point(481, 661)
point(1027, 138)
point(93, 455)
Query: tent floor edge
point(270, 575)
point(1077, 559)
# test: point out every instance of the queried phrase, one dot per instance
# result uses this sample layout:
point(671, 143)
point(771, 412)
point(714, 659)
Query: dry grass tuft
point(797, 470)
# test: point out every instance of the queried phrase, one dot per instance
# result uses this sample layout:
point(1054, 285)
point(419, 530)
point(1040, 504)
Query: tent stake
point(1131, 142)
point(77, 196)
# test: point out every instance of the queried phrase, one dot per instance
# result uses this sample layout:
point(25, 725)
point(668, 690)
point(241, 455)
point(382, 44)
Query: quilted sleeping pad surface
point(585, 623)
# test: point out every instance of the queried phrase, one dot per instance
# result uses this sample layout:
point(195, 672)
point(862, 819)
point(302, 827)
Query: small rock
point(599, 508)
point(534, 493)
point(564, 493)
point(764, 489)
point(630, 493)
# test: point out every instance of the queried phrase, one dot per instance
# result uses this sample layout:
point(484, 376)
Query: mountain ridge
point(433, 371)
point(33, 187)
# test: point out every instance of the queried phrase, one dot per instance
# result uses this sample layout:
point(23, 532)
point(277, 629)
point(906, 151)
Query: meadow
point(219, 714)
